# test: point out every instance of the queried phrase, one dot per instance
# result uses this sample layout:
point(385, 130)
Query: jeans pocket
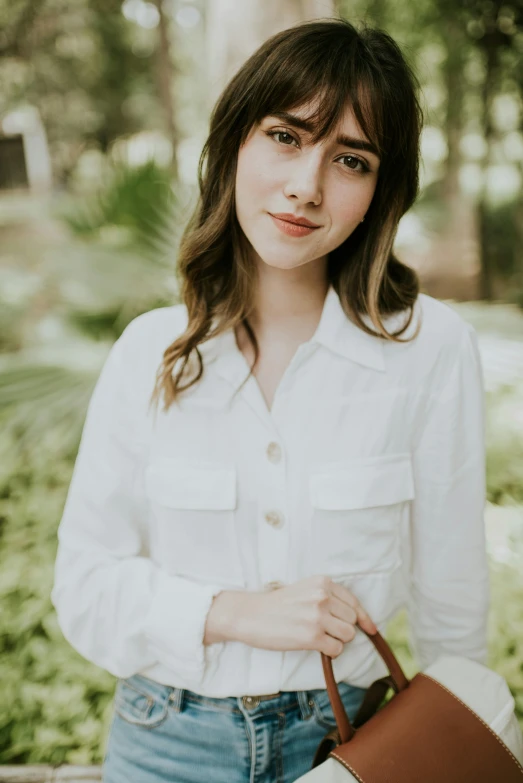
point(141, 703)
point(351, 697)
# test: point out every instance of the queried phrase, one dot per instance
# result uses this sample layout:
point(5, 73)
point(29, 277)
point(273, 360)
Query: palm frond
point(41, 404)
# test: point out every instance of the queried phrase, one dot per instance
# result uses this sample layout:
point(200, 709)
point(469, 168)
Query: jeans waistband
point(177, 697)
point(282, 700)
point(305, 700)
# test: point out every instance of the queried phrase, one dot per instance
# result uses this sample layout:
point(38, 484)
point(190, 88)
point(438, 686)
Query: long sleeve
point(449, 595)
point(115, 606)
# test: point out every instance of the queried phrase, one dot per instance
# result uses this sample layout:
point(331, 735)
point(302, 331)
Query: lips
point(293, 229)
point(297, 221)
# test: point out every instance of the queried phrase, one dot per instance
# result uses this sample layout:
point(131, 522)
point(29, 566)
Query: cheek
point(253, 177)
point(350, 206)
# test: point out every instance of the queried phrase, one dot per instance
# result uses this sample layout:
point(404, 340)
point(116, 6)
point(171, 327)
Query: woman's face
point(330, 183)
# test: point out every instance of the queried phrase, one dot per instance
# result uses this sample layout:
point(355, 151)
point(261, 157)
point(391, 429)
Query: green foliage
point(505, 446)
point(123, 255)
point(505, 469)
point(11, 317)
point(136, 198)
point(115, 262)
point(55, 706)
point(502, 235)
point(502, 247)
point(43, 404)
point(506, 628)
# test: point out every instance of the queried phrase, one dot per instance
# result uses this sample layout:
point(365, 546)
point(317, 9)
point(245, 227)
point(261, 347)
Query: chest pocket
point(357, 508)
point(193, 505)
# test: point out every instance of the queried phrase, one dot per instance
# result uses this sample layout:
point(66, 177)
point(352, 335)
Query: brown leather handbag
point(424, 734)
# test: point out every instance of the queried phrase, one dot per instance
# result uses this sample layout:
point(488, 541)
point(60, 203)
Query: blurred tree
point(79, 63)
point(494, 26)
point(454, 37)
point(235, 30)
point(165, 66)
point(117, 70)
point(18, 19)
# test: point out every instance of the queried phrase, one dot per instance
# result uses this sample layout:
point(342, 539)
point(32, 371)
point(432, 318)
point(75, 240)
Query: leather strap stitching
point(347, 765)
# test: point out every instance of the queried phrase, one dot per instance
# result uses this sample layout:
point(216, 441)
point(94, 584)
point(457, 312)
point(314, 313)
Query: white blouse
point(370, 468)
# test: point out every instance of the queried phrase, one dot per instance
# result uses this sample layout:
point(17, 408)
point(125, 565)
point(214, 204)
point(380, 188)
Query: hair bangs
point(326, 86)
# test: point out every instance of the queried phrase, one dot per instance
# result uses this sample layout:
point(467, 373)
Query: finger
point(341, 630)
point(344, 595)
point(363, 617)
point(331, 646)
point(340, 609)
point(365, 621)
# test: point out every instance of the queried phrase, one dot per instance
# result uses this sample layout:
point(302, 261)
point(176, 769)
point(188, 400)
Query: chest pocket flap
point(199, 485)
point(378, 481)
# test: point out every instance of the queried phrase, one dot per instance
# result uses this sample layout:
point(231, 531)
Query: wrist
point(227, 616)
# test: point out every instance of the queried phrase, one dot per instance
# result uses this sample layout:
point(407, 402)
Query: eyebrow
point(346, 141)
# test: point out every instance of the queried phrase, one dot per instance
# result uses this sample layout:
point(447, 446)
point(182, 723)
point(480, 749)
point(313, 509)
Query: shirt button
point(273, 585)
point(274, 519)
point(274, 452)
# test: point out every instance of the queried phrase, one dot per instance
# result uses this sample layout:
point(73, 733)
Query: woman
point(318, 461)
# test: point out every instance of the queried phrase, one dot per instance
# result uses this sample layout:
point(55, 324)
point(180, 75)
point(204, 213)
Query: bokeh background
point(104, 109)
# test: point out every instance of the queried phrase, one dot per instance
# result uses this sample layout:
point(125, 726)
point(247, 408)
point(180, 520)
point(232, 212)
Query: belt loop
point(305, 706)
point(176, 699)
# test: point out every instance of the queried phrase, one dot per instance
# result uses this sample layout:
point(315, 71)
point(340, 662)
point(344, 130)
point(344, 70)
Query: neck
point(288, 302)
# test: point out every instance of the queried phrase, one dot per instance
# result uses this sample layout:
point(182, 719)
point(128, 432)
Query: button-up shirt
point(369, 468)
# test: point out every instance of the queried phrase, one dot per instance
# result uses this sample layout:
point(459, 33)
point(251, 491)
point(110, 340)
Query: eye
point(281, 133)
point(354, 162)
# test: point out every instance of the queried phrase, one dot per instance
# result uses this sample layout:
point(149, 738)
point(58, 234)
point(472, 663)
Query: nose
point(305, 179)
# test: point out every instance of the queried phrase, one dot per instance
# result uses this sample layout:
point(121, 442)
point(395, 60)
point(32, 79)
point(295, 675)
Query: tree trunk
point(488, 92)
point(235, 30)
point(164, 74)
point(455, 39)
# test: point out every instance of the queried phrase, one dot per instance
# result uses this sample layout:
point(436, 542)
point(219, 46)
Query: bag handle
point(397, 679)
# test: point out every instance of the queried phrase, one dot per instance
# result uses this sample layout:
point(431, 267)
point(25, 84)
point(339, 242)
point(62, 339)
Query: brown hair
point(329, 58)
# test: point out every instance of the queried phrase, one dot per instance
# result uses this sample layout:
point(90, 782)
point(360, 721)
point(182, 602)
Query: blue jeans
point(161, 734)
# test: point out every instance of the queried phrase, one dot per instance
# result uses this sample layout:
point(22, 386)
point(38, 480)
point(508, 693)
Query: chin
point(281, 255)
point(280, 261)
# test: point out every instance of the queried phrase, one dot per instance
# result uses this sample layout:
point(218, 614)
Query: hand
point(312, 614)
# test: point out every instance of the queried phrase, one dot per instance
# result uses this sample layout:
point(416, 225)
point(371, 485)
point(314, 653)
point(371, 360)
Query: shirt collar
point(342, 336)
point(335, 331)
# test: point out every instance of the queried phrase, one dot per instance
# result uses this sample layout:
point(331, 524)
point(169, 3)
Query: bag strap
point(372, 700)
point(397, 679)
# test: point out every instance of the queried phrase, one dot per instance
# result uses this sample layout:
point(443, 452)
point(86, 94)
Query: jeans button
point(249, 702)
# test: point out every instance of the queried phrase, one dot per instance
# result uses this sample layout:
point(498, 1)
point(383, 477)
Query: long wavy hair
point(332, 60)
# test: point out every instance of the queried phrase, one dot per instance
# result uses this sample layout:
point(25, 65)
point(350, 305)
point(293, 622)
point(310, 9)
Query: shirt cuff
point(175, 625)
